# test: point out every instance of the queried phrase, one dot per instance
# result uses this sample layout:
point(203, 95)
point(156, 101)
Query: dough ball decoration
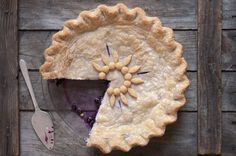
point(158, 108)
point(127, 72)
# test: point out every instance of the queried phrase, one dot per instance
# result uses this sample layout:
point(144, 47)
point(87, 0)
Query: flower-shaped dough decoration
point(127, 72)
point(152, 47)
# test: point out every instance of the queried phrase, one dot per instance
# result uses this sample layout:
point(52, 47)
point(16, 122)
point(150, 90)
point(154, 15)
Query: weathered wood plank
point(180, 138)
point(229, 134)
point(9, 124)
point(51, 14)
point(228, 86)
point(44, 103)
point(229, 91)
point(33, 44)
point(229, 50)
point(47, 14)
point(229, 14)
point(209, 77)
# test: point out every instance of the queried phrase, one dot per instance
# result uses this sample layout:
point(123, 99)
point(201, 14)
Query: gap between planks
point(26, 103)
point(40, 40)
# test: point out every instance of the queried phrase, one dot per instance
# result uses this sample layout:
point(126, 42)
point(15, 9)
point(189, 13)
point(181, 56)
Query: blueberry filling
point(73, 107)
point(81, 97)
point(98, 101)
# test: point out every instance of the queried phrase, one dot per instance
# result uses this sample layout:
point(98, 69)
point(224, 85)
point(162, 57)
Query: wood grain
point(44, 103)
point(47, 14)
point(47, 17)
point(35, 14)
point(229, 50)
point(209, 77)
point(229, 14)
point(9, 124)
point(33, 44)
point(179, 138)
point(228, 87)
point(229, 91)
point(229, 134)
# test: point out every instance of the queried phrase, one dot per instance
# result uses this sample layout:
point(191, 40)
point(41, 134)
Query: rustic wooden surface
point(228, 50)
point(9, 123)
point(229, 134)
point(26, 103)
point(47, 14)
point(39, 19)
point(229, 14)
point(170, 12)
point(209, 77)
point(33, 43)
point(229, 91)
point(181, 139)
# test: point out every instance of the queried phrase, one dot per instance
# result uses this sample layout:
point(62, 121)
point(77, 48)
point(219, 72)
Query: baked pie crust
point(84, 42)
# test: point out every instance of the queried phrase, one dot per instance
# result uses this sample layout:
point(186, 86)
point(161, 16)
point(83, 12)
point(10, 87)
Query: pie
point(141, 62)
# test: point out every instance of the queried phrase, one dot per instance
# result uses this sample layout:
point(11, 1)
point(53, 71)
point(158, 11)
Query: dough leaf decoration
point(119, 91)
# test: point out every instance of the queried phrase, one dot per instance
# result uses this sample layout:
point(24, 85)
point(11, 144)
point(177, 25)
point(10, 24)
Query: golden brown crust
point(89, 20)
point(121, 15)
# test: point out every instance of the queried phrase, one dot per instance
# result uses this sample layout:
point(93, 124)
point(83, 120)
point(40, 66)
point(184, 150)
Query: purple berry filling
point(82, 97)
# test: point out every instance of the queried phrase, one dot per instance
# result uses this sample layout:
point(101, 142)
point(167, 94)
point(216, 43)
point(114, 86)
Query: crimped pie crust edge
point(103, 12)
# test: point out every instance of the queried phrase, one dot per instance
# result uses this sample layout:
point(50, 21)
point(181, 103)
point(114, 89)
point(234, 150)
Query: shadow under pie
point(80, 97)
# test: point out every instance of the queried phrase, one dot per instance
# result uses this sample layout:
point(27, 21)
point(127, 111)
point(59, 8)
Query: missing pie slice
point(142, 63)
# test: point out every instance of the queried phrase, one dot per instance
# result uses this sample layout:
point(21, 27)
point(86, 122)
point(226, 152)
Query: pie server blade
point(43, 127)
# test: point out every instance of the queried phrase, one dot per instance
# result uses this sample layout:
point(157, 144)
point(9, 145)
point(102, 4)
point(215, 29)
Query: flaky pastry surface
point(152, 46)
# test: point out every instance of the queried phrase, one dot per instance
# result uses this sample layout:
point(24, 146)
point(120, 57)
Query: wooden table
point(207, 30)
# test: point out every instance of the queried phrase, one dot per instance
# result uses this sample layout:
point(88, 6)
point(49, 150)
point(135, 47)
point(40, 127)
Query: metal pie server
point(41, 120)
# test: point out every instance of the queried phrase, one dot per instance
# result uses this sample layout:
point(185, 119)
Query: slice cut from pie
point(82, 97)
point(142, 62)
